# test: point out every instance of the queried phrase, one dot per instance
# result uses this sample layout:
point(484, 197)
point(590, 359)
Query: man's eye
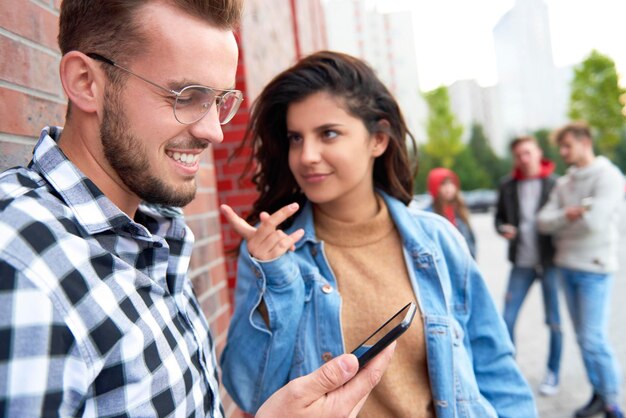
point(184, 100)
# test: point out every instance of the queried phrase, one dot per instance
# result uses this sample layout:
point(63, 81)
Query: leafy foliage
point(550, 151)
point(443, 130)
point(471, 174)
point(488, 162)
point(597, 98)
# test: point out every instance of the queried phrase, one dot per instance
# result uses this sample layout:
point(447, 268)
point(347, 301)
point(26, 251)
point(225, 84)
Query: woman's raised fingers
point(241, 227)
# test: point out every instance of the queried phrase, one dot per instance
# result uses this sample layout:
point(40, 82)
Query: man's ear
point(83, 81)
point(381, 138)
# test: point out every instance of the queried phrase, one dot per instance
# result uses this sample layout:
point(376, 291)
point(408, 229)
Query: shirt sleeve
point(41, 372)
point(551, 218)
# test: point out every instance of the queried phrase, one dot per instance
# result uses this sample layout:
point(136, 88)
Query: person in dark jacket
point(520, 197)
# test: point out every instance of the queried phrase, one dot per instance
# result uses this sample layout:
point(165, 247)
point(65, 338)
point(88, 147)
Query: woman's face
point(447, 190)
point(331, 153)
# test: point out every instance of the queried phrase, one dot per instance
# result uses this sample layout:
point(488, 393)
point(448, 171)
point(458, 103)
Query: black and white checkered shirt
point(97, 315)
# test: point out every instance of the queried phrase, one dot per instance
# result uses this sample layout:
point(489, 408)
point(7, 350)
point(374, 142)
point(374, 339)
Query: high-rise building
point(386, 42)
point(531, 93)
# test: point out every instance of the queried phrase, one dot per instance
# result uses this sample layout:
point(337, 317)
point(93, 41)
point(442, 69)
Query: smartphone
point(587, 203)
point(385, 335)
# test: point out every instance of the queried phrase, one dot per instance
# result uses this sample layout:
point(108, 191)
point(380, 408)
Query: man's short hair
point(522, 139)
point(103, 26)
point(113, 27)
point(580, 130)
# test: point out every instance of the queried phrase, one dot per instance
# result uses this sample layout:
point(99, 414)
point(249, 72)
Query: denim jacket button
point(314, 251)
point(258, 274)
point(327, 289)
point(327, 356)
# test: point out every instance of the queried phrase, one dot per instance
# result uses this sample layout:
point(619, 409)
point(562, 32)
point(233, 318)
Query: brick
point(206, 177)
point(221, 323)
point(201, 204)
point(234, 168)
point(218, 274)
point(30, 21)
point(26, 115)
point(235, 130)
point(210, 304)
point(28, 67)
point(243, 198)
point(201, 284)
point(238, 126)
point(12, 155)
point(225, 185)
point(220, 154)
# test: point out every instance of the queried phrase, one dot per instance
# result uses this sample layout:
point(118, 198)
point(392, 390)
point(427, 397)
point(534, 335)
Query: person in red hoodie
point(520, 197)
point(444, 187)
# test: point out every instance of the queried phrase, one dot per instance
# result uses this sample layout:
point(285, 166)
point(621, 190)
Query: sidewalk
point(532, 334)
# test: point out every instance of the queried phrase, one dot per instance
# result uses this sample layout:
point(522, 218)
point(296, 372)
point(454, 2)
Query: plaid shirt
point(97, 315)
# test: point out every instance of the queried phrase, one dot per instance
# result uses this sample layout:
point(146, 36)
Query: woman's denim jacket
point(469, 353)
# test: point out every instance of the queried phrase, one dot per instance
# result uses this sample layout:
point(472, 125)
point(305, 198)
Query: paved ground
point(532, 334)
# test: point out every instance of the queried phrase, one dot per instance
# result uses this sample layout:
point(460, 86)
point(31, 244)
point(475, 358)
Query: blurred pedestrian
point(520, 196)
point(583, 214)
point(445, 189)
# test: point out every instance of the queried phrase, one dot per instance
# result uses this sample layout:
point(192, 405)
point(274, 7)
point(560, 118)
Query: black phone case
point(389, 337)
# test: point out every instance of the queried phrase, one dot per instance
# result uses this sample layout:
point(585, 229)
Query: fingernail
point(293, 206)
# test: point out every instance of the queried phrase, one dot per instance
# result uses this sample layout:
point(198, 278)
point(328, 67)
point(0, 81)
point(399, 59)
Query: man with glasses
point(97, 314)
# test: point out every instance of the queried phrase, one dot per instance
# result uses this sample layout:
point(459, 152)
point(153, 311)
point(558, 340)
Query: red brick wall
point(30, 93)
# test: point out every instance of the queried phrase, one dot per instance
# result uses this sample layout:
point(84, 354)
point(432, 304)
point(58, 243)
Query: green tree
point(470, 172)
point(443, 130)
point(550, 151)
point(597, 98)
point(486, 159)
point(425, 165)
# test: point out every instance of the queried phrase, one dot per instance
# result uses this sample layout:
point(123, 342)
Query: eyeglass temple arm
point(99, 57)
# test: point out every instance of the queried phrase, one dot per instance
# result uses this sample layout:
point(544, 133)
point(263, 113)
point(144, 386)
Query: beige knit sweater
point(367, 260)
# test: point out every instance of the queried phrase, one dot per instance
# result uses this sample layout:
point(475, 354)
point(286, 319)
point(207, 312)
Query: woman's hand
point(265, 242)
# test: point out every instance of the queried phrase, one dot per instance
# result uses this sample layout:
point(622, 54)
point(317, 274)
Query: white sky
point(454, 39)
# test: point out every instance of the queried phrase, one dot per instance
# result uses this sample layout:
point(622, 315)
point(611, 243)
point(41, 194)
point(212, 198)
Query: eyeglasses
point(192, 102)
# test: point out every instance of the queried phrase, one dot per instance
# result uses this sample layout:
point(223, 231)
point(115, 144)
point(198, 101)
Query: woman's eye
point(330, 134)
point(293, 138)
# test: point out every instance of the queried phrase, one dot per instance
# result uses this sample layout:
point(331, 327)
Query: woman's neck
point(350, 212)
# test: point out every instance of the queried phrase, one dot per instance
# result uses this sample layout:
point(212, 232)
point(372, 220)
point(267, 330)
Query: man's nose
point(208, 128)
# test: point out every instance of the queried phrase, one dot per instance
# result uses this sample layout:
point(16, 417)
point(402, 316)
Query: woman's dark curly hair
point(364, 96)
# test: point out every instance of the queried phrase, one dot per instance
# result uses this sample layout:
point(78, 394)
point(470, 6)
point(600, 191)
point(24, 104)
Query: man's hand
point(573, 213)
point(331, 391)
point(265, 242)
point(508, 231)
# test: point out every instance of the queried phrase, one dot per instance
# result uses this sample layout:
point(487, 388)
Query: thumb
point(329, 377)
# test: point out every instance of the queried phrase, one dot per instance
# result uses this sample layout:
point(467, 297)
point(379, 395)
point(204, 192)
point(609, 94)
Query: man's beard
point(128, 157)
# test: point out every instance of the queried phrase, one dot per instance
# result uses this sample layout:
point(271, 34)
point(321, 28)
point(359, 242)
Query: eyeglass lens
point(194, 102)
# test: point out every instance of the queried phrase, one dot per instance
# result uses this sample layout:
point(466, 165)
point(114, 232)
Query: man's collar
point(94, 211)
